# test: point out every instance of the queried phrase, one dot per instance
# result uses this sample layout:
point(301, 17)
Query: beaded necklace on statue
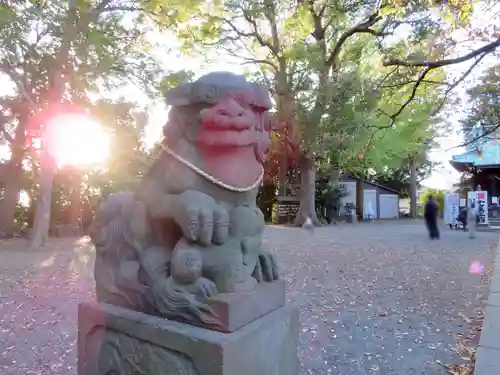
point(213, 179)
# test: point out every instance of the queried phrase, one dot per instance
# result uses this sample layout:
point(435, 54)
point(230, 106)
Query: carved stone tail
point(178, 304)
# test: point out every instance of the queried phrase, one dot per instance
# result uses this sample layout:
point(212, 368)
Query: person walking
point(430, 215)
point(462, 218)
point(472, 220)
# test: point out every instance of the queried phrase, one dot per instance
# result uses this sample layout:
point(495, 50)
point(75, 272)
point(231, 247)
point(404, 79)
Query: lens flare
point(476, 268)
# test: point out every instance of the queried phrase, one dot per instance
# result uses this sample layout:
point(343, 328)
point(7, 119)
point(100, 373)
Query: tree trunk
point(335, 173)
point(13, 177)
point(10, 198)
point(413, 188)
point(360, 193)
point(283, 174)
point(76, 200)
point(307, 206)
point(41, 223)
point(57, 88)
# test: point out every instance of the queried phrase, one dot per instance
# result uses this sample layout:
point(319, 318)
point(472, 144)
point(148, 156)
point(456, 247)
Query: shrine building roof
point(489, 157)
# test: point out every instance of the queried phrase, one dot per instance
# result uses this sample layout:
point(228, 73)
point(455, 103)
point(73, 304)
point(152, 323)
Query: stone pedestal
point(117, 341)
point(236, 310)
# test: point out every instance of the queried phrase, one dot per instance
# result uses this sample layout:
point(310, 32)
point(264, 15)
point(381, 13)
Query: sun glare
point(77, 140)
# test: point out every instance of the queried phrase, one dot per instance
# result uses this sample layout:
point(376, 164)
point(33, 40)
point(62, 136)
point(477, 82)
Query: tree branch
point(99, 9)
point(6, 67)
point(267, 81)
point(255, 34)
point(388, 75)
point(322, 10)
point(225, 39)
point(5, 133)
point(427, 81)
point(407, 101)
point(319, 31)
point(363, 27)
point(488, 48)
point(458, 81)
point(251, 60)
point(475, 139)
point(420, 80)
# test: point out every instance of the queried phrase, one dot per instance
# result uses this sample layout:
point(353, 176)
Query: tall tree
point(381, 148)
point(58, 52)
point(300, 49)
point(56, 88)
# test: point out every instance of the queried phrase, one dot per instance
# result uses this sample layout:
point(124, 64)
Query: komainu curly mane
point(115, 243)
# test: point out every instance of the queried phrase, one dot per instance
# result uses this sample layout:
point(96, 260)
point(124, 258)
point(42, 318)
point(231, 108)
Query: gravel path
point(374, 299)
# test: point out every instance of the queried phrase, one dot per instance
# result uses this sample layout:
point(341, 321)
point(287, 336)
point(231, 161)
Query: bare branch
point(40, 35)
point(99, 9)
point(267, 81)
point(121, 9)
point(363, 27)
point(407, 102)
point(458, 81)
point(319, 30)
point(427, 81)
point(255, 34)
point(475, 139)
point(388, 75)
point(488, 48)
point(7, 68)
point(322, 10)
point(272, 18)
point(259, 61)
point(5, 134)
point(250, 60)
point(421, 80)
point(225, 39)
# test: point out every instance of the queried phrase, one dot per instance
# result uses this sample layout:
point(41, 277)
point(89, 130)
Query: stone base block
point(236, 310)
point(113, 340)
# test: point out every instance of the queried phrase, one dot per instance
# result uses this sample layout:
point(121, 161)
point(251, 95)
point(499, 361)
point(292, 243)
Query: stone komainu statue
point(192, 229)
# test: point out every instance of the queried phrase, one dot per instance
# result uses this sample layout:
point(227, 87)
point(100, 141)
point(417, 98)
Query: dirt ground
point(374, 299)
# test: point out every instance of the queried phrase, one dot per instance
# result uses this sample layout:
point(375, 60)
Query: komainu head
point(220, 110)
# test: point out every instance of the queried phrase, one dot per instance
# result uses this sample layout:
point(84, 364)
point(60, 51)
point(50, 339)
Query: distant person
point(430, 215)
point(462, 218)
point(472, 220)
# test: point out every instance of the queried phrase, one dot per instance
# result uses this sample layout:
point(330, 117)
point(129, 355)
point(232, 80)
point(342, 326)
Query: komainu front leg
point(266, 269)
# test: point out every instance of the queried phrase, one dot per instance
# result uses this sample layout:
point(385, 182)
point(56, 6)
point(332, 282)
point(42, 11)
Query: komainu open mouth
point(225, 136)
point(222, 123)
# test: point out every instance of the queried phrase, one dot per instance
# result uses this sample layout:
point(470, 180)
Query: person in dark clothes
point(430, 216)
point(462, 218)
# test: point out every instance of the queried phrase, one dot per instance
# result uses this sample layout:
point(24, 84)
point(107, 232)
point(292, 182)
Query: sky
point(442, 177)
